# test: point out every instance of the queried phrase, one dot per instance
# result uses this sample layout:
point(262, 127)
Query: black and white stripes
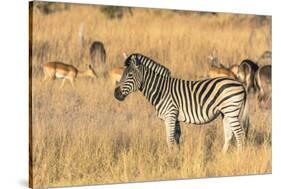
point(177, 100)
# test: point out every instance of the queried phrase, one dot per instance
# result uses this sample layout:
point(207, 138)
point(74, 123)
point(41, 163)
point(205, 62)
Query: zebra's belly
point(196, 117)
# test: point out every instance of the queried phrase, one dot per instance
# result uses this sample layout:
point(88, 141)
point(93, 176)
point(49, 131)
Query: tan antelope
point(116, 74)
point(60, 70)
point(234, 68)
point(219, 70)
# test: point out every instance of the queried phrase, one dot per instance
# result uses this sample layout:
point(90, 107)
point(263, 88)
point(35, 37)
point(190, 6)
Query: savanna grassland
point(82, 135)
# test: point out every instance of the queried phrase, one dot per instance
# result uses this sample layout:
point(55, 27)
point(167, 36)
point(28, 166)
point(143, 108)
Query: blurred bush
point(50, 7)
point(260, 20)
point(112, 12)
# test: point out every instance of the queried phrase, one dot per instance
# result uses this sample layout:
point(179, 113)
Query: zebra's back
point(202, 101)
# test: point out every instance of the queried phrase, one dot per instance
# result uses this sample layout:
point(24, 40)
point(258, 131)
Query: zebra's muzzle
point(118, 95)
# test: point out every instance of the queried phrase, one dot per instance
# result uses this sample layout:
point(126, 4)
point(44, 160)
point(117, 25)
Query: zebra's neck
point(153, 85)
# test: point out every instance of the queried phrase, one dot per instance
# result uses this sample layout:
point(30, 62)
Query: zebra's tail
point(245, 120)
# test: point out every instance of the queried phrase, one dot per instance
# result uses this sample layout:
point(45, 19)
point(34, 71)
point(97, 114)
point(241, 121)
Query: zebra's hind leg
point(228, 134)
point(232, 126)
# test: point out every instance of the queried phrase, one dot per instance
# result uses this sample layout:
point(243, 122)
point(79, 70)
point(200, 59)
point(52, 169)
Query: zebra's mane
point(150, 64)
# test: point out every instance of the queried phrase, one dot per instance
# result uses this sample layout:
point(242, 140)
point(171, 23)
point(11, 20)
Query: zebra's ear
point(137, 60)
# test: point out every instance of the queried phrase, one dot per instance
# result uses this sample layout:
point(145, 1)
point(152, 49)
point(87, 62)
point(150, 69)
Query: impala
point(116, 74)
point(60, 70)
point(221, 72)
point(234, 68)
point(217, 69)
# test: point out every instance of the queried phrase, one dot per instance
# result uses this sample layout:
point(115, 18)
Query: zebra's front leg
point(177, 132)
point(173, 132)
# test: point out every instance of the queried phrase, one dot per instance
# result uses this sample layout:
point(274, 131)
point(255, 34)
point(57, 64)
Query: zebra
point(176, 100)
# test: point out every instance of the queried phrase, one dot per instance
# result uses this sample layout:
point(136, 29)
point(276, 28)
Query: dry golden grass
point(84, 136)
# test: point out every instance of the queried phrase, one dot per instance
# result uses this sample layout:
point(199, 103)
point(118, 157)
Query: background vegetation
point(83, 135)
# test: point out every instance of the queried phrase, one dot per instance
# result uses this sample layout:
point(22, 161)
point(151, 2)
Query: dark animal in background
point(263, 85)
point(265, 58)
point(246, 74)
point(98, 58)
point(97, 52)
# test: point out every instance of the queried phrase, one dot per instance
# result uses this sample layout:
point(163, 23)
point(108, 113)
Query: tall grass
point(83, 135)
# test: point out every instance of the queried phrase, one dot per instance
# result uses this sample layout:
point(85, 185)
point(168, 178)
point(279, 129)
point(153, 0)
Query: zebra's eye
point(130, 75)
